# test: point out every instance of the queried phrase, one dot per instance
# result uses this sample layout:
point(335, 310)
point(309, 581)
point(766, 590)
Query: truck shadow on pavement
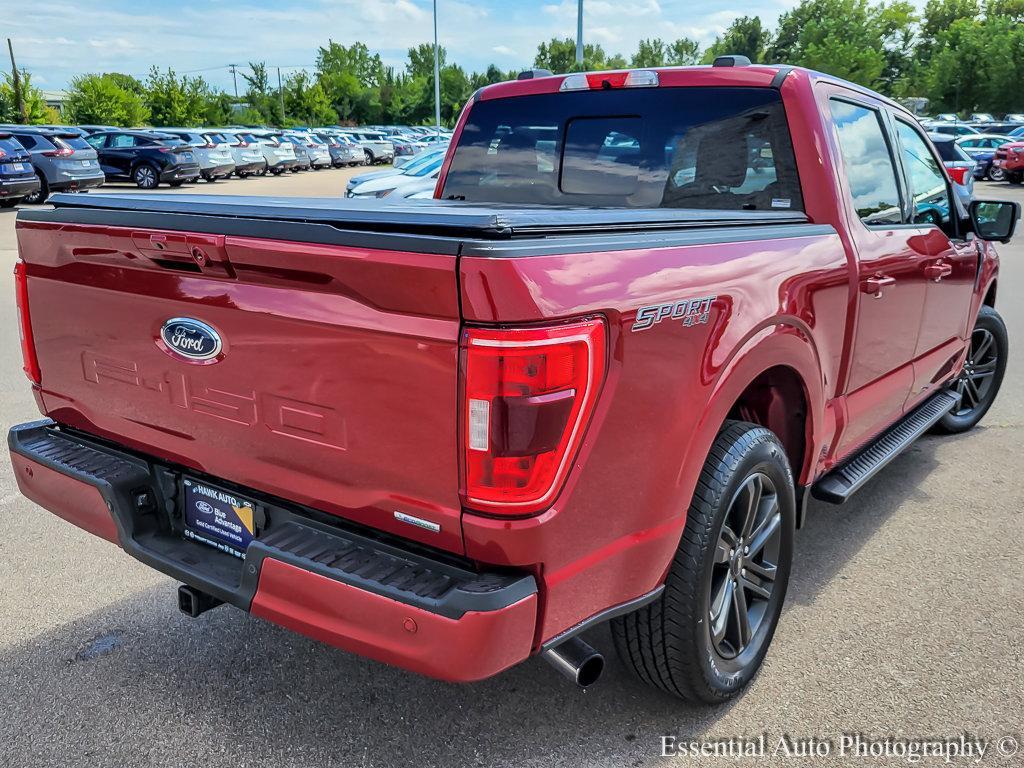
point(137, 683)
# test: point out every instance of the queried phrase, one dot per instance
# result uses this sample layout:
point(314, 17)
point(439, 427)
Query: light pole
point(579, 34)
point(437, 77)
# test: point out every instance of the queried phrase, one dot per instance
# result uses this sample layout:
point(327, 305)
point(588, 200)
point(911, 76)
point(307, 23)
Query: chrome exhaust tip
point(577, 661)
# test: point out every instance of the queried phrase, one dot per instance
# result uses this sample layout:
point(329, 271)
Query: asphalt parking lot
point(904, 619)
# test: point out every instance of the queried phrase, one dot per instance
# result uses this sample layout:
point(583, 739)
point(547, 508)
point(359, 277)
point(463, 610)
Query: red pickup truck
point(649, 315)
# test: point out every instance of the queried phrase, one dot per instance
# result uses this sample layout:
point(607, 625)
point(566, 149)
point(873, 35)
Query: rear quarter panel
point(776, 301)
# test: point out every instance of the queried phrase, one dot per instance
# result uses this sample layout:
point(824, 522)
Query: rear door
point(891, 291)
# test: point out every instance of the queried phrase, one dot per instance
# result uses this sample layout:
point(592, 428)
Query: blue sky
point(58, 39)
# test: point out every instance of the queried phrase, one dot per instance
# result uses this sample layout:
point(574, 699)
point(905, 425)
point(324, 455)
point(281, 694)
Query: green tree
point(684, 51)
point(262, 98)
point(744, 37)
point(102, 99)
point(35, 104)
point(846, 38)
point(176, 101)
point(305, 101)
point(560, 56)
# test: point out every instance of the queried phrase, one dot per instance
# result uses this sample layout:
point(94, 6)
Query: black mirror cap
point(994, 220)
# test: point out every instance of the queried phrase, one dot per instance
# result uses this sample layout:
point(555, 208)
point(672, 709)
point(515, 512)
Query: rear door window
point(870, 169)
point(27, 140)
point(706, 148)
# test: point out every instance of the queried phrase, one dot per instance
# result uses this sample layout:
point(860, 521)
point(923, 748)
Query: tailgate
point(334, 384)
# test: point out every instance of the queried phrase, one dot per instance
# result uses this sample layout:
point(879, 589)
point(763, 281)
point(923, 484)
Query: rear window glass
point(75, 142)
point(32, 141)
point(11, 146)
point(706, 148)
point(170, 141)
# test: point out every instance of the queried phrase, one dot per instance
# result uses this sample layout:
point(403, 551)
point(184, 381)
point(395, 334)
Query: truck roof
point(706, 75)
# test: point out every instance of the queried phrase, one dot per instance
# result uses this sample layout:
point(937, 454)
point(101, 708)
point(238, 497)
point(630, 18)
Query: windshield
point(422, 160)
point(425, 169)
point(704, 148)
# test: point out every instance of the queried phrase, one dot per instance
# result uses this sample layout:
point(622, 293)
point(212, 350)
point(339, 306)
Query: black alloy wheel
point(746, 562)
point(982, 374)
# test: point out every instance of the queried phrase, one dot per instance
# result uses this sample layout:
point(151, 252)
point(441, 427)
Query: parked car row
point(415, 179)
point(36, 161)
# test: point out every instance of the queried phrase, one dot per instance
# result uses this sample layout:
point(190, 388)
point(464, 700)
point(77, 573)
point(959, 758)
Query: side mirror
point(994, 219)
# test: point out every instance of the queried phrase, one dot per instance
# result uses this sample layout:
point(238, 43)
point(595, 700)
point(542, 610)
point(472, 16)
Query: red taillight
point(61, 152)
point(528, 395)
point(242, 144)
point(957, 174)
point(28, 346)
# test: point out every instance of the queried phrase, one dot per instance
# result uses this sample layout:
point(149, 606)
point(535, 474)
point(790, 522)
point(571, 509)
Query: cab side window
point(928, 193)
point(870, 171)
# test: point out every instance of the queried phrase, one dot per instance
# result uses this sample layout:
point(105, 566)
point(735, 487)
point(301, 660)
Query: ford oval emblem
point(191, 339)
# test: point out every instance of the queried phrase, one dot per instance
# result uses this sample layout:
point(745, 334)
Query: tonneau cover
point(433, 217)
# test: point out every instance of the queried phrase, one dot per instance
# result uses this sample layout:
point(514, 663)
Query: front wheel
point(706, 636)
point(145, 177)
point(978, 383)
point(996, 173)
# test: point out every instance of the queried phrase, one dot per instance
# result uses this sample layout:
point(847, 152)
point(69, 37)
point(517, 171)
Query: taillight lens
point(528, 395)
point(957, 174)
point(62, 152)
point(28, 346)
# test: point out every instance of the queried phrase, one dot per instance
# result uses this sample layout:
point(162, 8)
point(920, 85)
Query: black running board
point(841, 483)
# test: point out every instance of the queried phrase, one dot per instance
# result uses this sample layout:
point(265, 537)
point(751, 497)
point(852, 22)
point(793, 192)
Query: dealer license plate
point(219, 518)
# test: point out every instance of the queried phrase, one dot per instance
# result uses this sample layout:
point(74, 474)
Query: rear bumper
point(18, 187)
point(254, 167)
point(67, 184)
point(180, 173)
point(431, 615)
point(219, 171)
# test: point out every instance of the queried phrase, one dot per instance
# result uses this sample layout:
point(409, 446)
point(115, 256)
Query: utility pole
point(19, 94)
point(579, 34)
point(234, 77)
point(437, 78)
point(280, 92)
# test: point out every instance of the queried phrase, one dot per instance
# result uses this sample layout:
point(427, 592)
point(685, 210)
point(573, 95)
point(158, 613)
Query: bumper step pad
point(841, 483)
point(438, 584)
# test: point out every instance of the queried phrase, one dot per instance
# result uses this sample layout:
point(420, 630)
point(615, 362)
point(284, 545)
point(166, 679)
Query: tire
point(368, 155)
point(669, 643)
point(996, 174)
point(39, 196)
point(242, 175)
point(982, 375)
point(145, 176)
point(1014, 178)
point(210, 179)
point(175, 184)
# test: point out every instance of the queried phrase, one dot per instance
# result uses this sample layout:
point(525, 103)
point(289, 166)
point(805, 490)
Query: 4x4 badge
point(690, 311)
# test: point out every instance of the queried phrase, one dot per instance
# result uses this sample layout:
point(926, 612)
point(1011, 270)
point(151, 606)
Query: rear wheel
point(979, 382)
point(706, 636)
point(145, 176)
point(39, 196)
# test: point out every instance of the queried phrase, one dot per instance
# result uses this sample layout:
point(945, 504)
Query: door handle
point(874, 285)
point(938, 271)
